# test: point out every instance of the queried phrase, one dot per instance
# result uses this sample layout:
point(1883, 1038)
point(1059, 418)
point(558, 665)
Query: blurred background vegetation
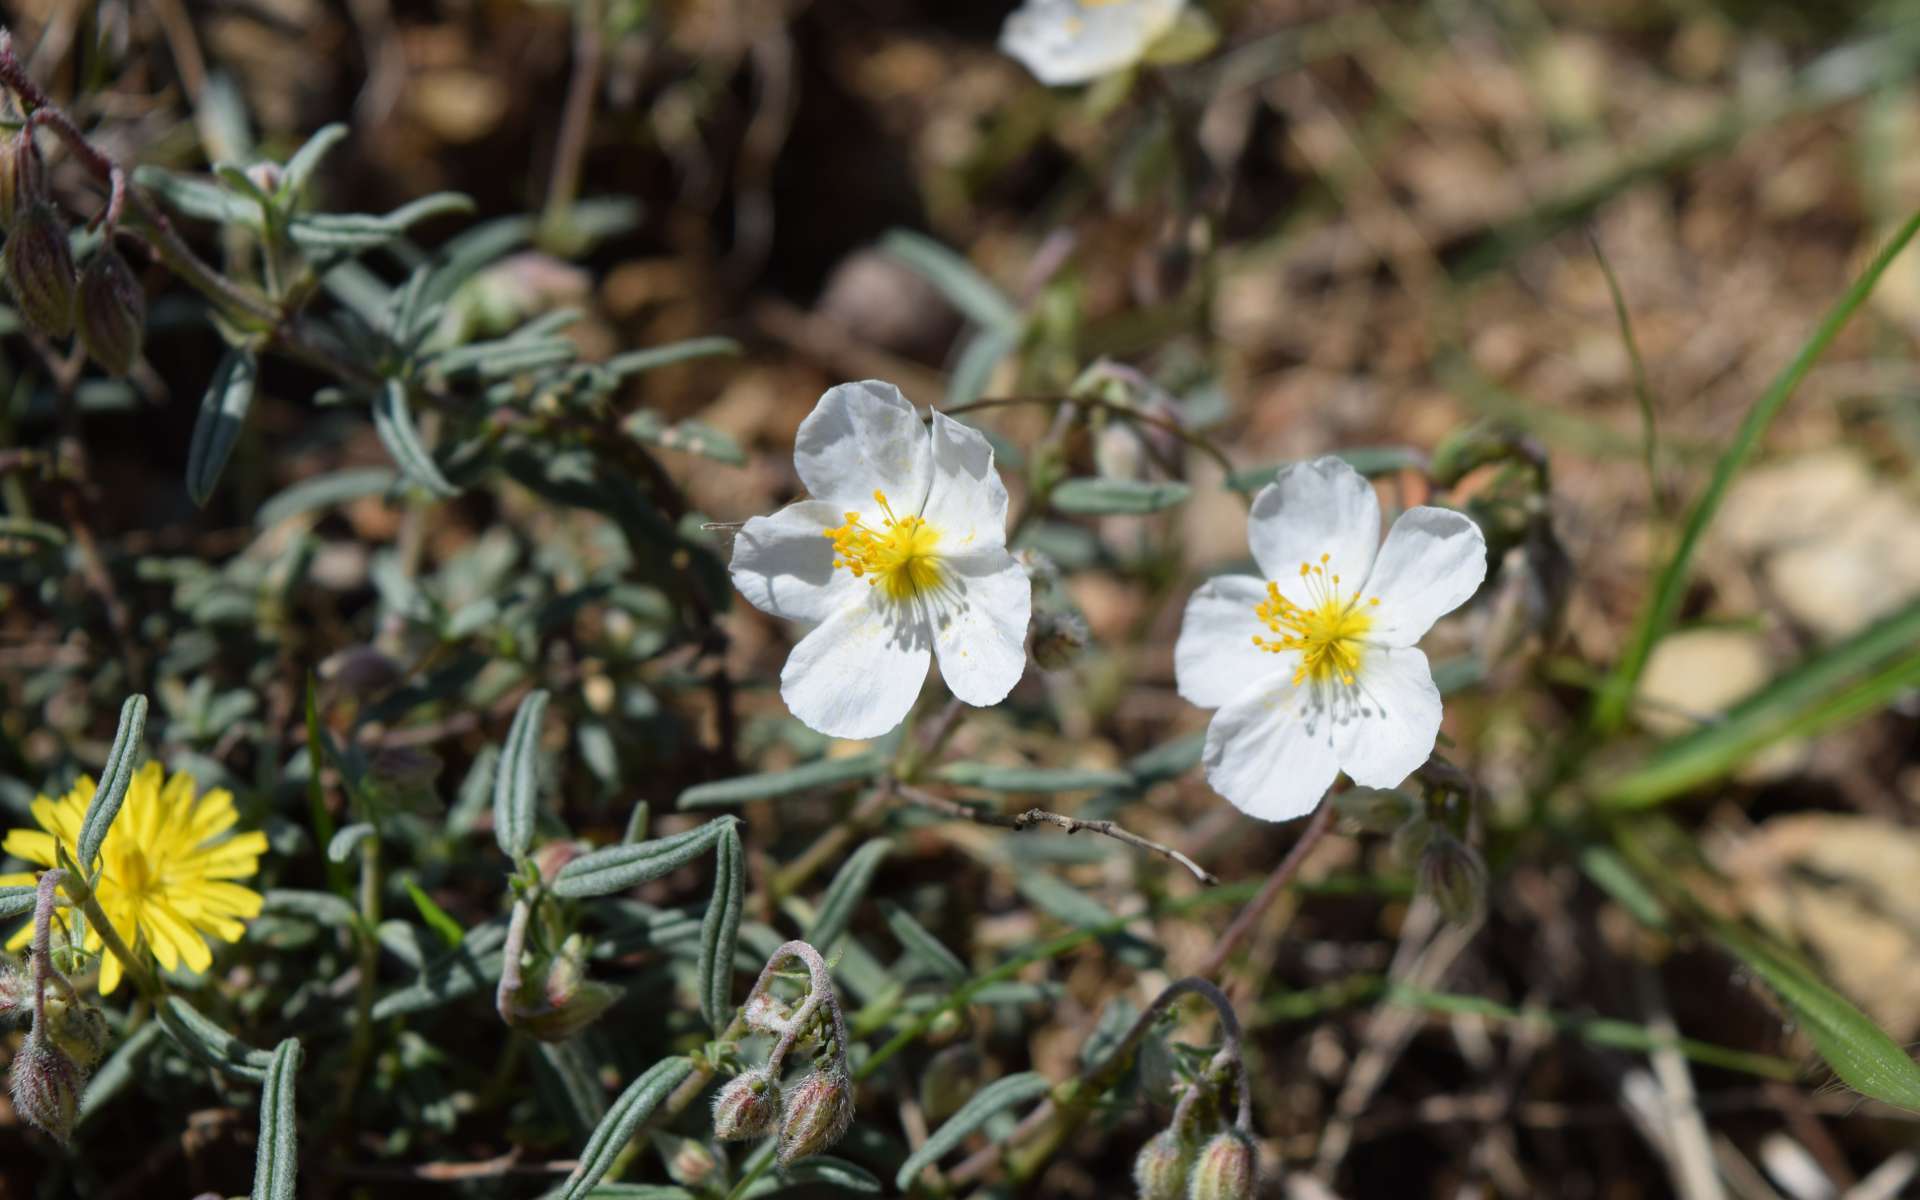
point(1590, 232)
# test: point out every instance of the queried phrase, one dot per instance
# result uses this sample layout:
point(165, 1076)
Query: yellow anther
point(899, 556)
point(1327, 635)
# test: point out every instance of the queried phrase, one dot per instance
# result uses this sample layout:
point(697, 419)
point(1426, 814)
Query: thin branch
point(1038, 816)
point(1277, 882)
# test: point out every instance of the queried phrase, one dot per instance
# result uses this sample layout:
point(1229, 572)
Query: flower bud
point(747, 1107)
point(817, 1113)
point(23, 177)
point(111, 315)
point(267, 176)
point(551, 857)
point(16, 990)
point(1058, 639)
point(1453, 874)
point(1227, 1169)
point(78, 1029)
point(361, 671)
point(39, 268)
point(557, 1000)
point(949, 1080)
point(1160, 1169)
point(691, 1163)
point(766, 1013)
point(47, 1086)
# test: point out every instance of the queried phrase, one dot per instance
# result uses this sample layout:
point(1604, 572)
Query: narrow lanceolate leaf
point(1615, 698)
point(276, 1161)
point(1107, 497)
point(325, 491)
point(340, 846)
point(353, 233)
point(1840, 683)
point(846, 891)
point(920, 942)
point(837, 1175)
point(300, 167)
point(206, 1041)
point(196, 196)
point(393, 421)
point(623, 1120)
point(963, 285)
point(115, 777)
point(16, 900)
point(996, 1097)
point(769, 784)
point(617, 868)
point(223, 413)
point(1859, 1051)
point(472, 967)
point(516, 784)
point(995, 778)
point(720, 931)
point(635, 361)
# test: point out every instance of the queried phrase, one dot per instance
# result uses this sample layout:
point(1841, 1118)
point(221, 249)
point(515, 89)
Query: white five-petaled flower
point(1313, 669)
point(1073, 41)
point(900, 555)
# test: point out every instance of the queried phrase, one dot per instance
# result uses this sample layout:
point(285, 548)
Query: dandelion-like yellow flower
point(165, 868)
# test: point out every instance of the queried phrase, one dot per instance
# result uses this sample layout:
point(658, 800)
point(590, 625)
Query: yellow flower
point(165, 868)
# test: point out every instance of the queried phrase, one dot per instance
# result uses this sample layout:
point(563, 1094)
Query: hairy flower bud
point(557, 1000)
point(78, 1029)
point(361, 671)
point(1227, 1169)
point(39, 268)
point(691, 1163)
point(16, 990)
point(550, 858)
point(949, 1080)
point(47, 1086)
point(1058, 639)
point(766, 1013)
point(747, 1107)
point(1453, 874)
point(111, 314)
point(23, 177)
point(817, 1113)
point(1160, 1169)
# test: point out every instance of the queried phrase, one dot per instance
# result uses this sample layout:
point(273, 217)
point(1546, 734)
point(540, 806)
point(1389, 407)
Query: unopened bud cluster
point(1199, 1156)
point(104, 304)
point(67, 1038)
point(814, 1112)
point(557, 1000)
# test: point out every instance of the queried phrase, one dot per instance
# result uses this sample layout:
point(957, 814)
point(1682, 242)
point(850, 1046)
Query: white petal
point(1215, 658)
point(967, 502)
point(1397, 721)
point(1432, 563)
point(783, 564)
point(1066, 42)
point(859, 672)
point(1267, 754)
point(980, 625)
point(860, 438)
point(1323, 507)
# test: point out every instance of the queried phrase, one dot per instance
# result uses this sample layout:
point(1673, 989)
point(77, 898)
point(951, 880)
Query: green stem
point(134, 967)
point(360, 1047)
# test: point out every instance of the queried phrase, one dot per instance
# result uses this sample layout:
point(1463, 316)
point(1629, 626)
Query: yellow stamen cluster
point(1326, 635)
point(899, 555)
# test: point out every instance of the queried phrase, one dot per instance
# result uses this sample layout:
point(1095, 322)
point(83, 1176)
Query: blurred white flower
point(901, 556)
point(1314, 670)
point(1073, 41)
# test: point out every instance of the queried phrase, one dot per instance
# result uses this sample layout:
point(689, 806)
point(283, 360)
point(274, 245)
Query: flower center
point(1327, 632)
point(133, 872)
point(899, 556)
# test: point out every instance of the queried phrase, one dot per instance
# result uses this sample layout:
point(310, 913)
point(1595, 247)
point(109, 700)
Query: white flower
point(1314, 669)
point(900, 555)
point(1073, 41)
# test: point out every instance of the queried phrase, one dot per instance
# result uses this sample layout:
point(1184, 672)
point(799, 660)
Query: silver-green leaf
point(276, 1162)
point(223, 413)
point(996, 1097)
point(115, 777)
point(720, 931)
point(516, 784)
point(622, 1121)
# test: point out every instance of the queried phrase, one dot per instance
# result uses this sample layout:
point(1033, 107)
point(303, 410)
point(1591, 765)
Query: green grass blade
point(1610, 708)
point(1834, 686)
